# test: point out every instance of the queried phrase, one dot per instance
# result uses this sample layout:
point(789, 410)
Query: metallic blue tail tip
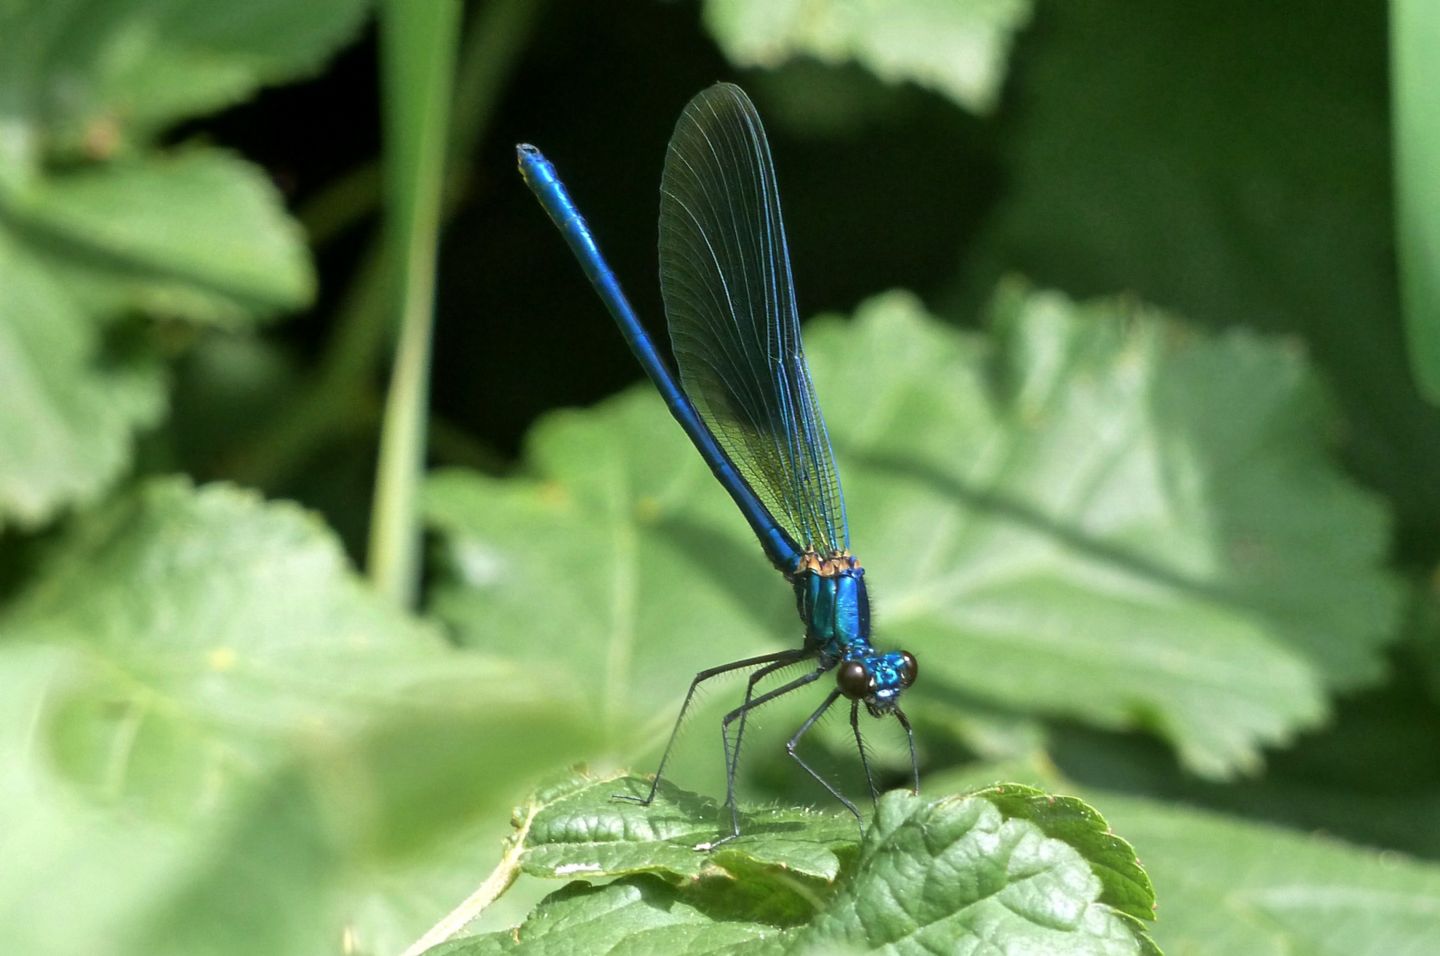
point(528, 157)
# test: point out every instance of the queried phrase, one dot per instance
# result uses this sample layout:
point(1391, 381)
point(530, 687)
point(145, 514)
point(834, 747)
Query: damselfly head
point(877, 679)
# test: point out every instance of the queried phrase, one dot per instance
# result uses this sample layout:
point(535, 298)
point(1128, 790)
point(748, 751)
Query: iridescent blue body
point(835, 606)
point(832, 600)
point(744, 397)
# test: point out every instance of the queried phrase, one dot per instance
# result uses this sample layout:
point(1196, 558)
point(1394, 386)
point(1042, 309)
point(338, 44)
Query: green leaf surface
point(70, 404)
point(930, 876)
point(102, 228)
point(981, 876)
point(216, 628)
point(1149, 531)
point(1233, 162)
point(637, 914)
point(1071, 820)
point(1232, 887)
point(1094, 513)
point(582, 829)
point(1366, 778)
point(200, 235)
point(98, 588)
point(956, 47)
point(75, 873)
point(605, 564)
point(218, 731)
point(93, 74)
point(1228, 885)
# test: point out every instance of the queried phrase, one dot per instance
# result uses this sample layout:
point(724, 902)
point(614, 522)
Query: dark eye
point(853, 680)
point(909, 669)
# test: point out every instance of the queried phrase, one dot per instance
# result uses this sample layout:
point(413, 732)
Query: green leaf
point(1357, 779)
point(1154, 148)
point(77, 873)
point(207, 701)
point(70, 403)
point(200, 235)
point(1095, 513)
point(1127, 887)
point(633, 914)
point(937, 876)
point(605, 563)
point(1148, 531)
point(93, 74)
point(980, 876)
point(216, 627)
point(581, 829)
point(956, 48)
point(1232, 887)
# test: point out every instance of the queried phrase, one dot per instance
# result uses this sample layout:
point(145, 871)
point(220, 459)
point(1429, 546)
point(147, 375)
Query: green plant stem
point(486, 893)
point(1415, 85)
point(494, 37)
point(418, 42)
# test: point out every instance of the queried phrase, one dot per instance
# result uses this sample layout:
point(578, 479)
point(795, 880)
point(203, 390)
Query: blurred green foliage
point(1163, 538)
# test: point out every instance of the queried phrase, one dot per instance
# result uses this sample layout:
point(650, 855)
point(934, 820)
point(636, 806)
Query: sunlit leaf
point(201, 681)
point(636, 528)
point(199, 235)
point(981, 875)
point(957, 47)
point(929, 876)
point(632, 914)
point(1093, 513)
point(1232, 887)
point(92, 74)
point(103, 230)
point(70, 404)
point(1110, 517)
point(581, 829)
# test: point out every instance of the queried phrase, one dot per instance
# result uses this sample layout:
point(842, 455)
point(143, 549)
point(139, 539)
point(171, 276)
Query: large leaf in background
point(1230, 887)
point(956, 47)
point(1011, 864)
point(68, 409)
point(93, 74)
point(1372, 776)
point(617, 573)
point(217, 727)
point(1096, 514)
point(1148, 530)
point(1232, 161)
point(199, 235)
